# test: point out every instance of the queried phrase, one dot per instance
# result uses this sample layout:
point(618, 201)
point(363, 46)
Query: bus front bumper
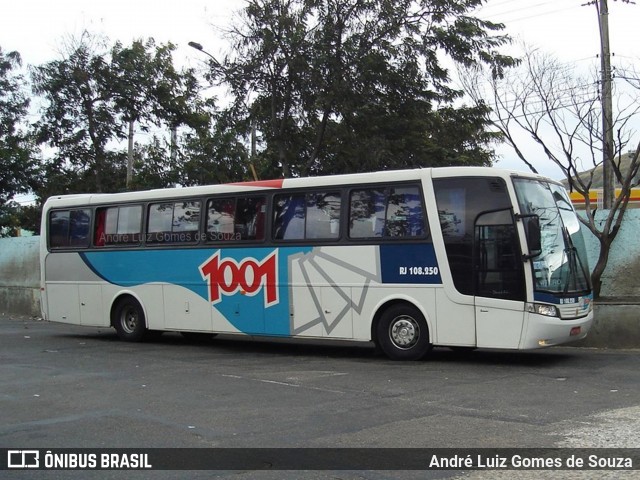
point(542, 331)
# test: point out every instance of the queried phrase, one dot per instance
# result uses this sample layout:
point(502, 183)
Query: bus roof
point(261, 185)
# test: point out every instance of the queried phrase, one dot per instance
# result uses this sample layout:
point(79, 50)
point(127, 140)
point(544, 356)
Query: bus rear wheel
point(128, 320)
point(402, 333)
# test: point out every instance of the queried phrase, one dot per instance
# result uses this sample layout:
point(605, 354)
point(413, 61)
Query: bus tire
point(129, 320)
point(402, 333)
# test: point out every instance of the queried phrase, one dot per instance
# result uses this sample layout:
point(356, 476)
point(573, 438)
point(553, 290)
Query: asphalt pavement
point(65, 386)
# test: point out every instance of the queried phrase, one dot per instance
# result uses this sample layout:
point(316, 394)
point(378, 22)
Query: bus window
point(173, 222)
point(498, 259)
point(69, 228)
point(79, 225)
point(250, 218)
point(118, 225)
point(366, 216)
point(404, 213)
point(231, 219)
point(289, 217)
point(159, 221)
point(220, 219)
point(394, 213)
point(323, 215)
point(312, 216)
point(186, 218)
point(475, 214)
point(58, 229)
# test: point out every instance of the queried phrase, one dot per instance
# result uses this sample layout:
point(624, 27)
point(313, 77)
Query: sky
point(568, 29)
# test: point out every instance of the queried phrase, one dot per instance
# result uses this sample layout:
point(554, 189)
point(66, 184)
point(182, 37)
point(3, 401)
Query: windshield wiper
point(573, 259)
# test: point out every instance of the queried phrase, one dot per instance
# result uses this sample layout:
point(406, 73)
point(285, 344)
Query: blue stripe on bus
point(182, 267)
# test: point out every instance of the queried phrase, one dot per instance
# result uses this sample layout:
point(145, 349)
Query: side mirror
point(534, 236)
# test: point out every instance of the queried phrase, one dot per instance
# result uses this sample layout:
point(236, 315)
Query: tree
point(132, 72)
point(18, 162)
point(214, 155)
point(335, 86)
point(94, 97)
point(80, 118)
point(560, 111)
point(149, 90)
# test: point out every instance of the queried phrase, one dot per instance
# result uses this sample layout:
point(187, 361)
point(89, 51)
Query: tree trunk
point(601, 264)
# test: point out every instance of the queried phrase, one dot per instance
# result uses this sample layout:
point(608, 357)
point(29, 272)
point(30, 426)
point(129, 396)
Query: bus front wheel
point(128, 320)
point(402, 333)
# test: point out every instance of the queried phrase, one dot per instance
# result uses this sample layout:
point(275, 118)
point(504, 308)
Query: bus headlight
point(542, 309)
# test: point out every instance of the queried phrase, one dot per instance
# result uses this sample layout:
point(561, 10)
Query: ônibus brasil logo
point(227, 277)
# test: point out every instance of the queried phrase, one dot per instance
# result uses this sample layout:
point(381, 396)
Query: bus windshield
point(562, 266)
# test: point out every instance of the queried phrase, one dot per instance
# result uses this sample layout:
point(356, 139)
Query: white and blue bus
point(458, 257)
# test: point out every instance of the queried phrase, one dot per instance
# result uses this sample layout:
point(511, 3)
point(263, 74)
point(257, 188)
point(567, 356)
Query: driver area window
point(480, 237)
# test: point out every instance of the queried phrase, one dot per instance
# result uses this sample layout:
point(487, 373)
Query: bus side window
point(186, 220)
point(366, 213)
point(289, 217)
point(323, 215)
point(250, 218)
point(173, 222)
point(121, 225)
point(69, 228)
point(99, 233)
point(159, 222)
point(405, 217)
point(221, 219)
point(79, 224)
point(461, 202)
point(58, 228)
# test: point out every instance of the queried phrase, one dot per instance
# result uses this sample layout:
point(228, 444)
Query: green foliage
point(80, 117)
point(92, 98)
point(147, 87)
point(322, 86)
point(18, 162)
point(214, 156)
point(337, 86)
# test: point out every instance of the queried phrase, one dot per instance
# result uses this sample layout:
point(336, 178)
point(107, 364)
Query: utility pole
point(608, 176)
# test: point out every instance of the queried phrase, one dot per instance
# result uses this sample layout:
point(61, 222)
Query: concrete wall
point(20, 275)
point(616, 324)
point(617, 312)
point(621, 279)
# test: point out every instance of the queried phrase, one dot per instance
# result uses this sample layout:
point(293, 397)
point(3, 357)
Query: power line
point(529, 7)
point(543, 14)
point(521, 7)
point(496, 16)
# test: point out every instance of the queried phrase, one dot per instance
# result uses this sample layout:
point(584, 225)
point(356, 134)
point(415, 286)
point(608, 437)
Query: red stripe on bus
point(277, 183)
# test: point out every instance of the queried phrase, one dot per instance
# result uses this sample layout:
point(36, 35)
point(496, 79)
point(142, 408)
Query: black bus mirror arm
point(533, 234)
point(528, 256)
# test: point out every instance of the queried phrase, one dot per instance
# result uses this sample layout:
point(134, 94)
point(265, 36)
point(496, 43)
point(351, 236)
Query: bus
point(468, 257)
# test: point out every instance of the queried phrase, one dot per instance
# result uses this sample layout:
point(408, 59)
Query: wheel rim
point(404, 332)
point(129, 319)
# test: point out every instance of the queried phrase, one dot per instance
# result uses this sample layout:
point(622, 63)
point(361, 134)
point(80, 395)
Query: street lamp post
point(200, 48)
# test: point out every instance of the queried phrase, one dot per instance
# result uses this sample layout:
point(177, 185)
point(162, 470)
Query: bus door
point(499, 282)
